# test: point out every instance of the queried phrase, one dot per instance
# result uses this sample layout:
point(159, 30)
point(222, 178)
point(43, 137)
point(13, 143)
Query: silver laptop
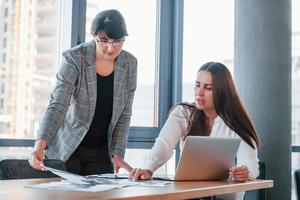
point(205, 158)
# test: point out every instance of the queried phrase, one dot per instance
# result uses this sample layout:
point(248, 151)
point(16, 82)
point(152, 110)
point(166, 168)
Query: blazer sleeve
point(173, 130)
point(120, 134)
point(60, 99)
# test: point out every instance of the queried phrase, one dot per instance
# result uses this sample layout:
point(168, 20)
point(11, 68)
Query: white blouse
point(176, 128)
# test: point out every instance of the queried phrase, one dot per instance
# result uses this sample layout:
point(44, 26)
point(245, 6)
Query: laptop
point(205, 158)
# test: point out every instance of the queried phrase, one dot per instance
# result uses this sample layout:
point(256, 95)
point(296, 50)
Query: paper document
point(108, 176)
point(94, 183)
point(66, 185)
point(72, 178)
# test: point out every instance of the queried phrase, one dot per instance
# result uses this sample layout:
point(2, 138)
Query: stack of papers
point(65, 185)
point(94, 183)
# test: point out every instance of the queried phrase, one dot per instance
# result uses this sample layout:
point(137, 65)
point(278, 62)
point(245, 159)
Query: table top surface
point(14, 189)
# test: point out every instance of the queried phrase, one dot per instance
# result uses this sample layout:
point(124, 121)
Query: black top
point(96, 137)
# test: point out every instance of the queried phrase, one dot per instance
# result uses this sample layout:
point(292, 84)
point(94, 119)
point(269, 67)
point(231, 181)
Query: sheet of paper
point(65, 185)
point(72, 178)
point(109, 176)
point(94, 183)
point(153, 183)
point(123, 179)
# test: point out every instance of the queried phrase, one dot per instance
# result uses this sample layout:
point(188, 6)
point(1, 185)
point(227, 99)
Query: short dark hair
point(111, 22)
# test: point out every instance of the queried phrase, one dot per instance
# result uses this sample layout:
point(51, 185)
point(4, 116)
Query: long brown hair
point(227, 105)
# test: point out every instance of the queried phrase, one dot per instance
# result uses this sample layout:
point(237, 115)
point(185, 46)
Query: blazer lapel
point(119, 78)
point(91, 75)
point(118, 98)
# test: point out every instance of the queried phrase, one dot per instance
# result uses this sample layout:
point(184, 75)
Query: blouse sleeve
point(246, 155)
point(173, 130)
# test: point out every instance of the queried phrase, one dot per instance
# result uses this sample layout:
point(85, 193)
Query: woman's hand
point(120, 163)
point(240, 173)
point(138, 173)
point(37, 157)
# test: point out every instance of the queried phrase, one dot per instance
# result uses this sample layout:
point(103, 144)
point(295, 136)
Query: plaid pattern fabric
point(73, 102)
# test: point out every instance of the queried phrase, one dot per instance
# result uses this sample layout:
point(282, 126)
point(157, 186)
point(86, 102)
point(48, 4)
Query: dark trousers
point(87, 161)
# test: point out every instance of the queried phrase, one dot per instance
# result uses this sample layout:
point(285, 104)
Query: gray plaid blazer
point(73, 102)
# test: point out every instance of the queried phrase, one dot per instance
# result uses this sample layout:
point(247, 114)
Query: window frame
point(168, 70)
point(168, 87)
point(66, 42)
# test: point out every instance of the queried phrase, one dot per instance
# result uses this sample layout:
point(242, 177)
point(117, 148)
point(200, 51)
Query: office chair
point(258, 194)
point(20, 169)
point(297, 182)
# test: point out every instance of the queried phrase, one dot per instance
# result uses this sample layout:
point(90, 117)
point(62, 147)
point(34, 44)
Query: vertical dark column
point(263, 77)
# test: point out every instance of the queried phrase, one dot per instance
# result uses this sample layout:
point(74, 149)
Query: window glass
point(15, 152)
point(141, 26)
point(296, 72)
point(295, 87)
point(4, 42)
point(206, 37)
point(30, 31)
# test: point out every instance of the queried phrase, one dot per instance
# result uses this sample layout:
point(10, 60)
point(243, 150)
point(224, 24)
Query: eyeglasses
point(114, 43)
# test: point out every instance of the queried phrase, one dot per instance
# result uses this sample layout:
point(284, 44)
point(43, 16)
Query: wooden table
point(14, 189)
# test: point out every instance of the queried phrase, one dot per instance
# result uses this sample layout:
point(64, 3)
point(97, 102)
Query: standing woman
point(217, 112)
point(87, 120)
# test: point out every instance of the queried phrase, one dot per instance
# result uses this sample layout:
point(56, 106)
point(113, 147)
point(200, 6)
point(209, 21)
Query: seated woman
point(217, 112)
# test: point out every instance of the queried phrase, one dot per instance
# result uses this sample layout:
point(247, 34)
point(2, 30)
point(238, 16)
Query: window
point(141, 43)
point(24, 104)
point(2, 88)
point(5, 27)
point(207, 38)
point(295, 73)
point(4, 57)
point(295, 87)
point(41, 37)
point(4, 42)
point(6, 12)
point(1, 104)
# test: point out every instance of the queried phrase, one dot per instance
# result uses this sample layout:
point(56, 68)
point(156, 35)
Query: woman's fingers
point(240, 168)
point(132, 173)
point(237, 170)
point(137, 173)
point(35, 164)
point(239, 173)
point(241, 178)
point(126, 166)
point(146, 176)
point(36, 160)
